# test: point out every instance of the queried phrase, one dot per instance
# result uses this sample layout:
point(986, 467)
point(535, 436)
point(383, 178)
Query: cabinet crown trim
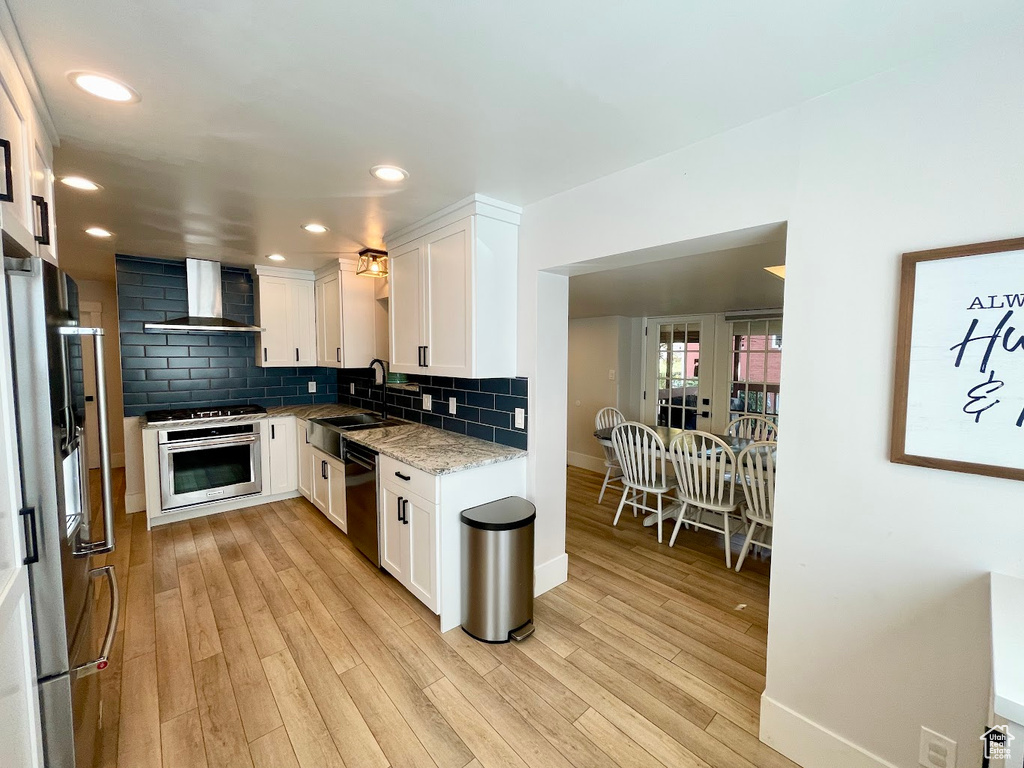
point(478, 205)
point(294, 274)
point(334, 267)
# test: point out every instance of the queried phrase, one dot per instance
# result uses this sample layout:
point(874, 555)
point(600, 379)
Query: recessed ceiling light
point(98, 232)
point(389, 173)
point(779, 271)
point(276, 257)
point(78, 182)
point(104, 87)
point(316, 229)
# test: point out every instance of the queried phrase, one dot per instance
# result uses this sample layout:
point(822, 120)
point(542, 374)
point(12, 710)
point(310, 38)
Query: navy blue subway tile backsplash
point(198, 369)
point(484, 408)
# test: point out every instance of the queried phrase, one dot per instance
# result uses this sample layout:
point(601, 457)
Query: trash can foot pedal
point(522, 633)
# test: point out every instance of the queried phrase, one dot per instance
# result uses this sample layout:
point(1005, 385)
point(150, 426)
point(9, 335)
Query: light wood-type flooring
point(263, 639)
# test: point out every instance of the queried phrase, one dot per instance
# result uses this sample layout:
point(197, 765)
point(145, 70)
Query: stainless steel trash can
point(497, 570)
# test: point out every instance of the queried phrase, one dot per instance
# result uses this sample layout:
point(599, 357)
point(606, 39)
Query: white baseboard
point(809, 744)
point(550, 574)
point(584, 461)
point(135, 502)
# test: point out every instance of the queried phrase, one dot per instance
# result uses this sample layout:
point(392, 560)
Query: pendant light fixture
point(372, 263)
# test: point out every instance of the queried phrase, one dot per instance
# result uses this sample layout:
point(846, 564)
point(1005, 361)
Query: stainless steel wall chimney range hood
point(205, 308)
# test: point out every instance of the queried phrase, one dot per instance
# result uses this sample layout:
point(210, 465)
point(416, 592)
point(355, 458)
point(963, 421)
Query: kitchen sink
point(355, 420)
point(326, 434)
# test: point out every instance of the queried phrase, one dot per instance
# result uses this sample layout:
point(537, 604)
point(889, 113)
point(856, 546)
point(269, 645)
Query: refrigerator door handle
point(100, 662)
point(106, 544)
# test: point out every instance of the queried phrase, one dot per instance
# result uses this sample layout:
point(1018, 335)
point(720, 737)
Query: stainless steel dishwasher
point(361, 498)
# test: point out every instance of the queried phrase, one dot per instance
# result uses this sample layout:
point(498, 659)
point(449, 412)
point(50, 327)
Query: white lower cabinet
point(283, 458)
point(328, 488)
point(304, 452)
point(420, 529)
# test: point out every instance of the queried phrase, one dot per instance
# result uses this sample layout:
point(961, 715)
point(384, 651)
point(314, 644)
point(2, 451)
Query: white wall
point(879, 619)
point(597, 345)
point(106, 294)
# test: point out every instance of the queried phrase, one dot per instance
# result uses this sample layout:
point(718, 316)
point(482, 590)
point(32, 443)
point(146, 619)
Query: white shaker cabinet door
point(393, 534)
point(283, 455)
point(449, 295)
point(274, 318)
point(421, 562)
point(328, 322)
point(406, 308)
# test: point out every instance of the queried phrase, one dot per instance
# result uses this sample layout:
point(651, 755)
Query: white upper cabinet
point(26, 152)
point(285, 310)
point(345, 324)
point(452, 297)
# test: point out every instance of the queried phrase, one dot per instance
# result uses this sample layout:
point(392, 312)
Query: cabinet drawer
point(402, 477)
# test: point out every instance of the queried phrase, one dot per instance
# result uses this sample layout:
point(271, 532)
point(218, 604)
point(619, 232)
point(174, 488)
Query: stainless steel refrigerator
point(50, 413)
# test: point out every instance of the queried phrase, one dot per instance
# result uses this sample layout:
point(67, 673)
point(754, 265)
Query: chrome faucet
point(383, 386)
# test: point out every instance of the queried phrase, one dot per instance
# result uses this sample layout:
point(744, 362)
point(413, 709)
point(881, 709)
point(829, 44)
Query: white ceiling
point(673, 280)
point(257, 117)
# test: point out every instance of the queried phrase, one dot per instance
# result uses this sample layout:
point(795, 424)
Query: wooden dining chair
point(641, 456)
point(608, 417)
point(753, 428)
point(756, 464)
point(704, 468)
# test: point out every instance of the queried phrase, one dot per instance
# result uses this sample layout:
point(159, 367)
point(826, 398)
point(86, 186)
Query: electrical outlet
point(520, 418)
point(351, 387)
point(427, 402)
point(937, 751)
point(311, 387)
point(451, 405)
point(611, 374)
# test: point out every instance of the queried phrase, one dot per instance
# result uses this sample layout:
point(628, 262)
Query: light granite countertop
point(320, 411)
point(433, 450)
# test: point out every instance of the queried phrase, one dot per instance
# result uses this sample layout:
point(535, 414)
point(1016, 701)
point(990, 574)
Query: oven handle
point(101, 661)
point(195, 445)
point(106, 544)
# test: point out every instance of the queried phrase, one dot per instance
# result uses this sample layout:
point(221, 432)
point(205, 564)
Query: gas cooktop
point(191, 414)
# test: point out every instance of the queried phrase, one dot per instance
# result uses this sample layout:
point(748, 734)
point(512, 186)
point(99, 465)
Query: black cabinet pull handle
point(338, 355)
point(419, 356)
point(296, 354)
point(323, 469)
point(405, 511)
point(398, 507)
point(426, 358)
point(400, 476)
point(43, 208)
point(31, 535)
point(306, 432)
point(8, 194)
point(272, 435)
point(264, 354)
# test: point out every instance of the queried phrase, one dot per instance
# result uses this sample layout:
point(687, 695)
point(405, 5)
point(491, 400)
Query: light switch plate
point(351, 387)
point(520, 418)
point(937, 751)
point(427, 402)
point(311, 387)
point(611, 374)
point(452, 405)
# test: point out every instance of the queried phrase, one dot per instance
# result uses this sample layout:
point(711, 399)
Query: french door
point(680, 371)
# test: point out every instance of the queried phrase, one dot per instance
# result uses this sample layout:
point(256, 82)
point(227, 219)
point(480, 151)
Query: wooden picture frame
point(961, 340)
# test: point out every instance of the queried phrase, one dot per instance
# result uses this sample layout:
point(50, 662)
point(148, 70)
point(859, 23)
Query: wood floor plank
point(476, 654)
point(312, 742)
point(578, 749)
point(165, 566)
point(256, 704)
point(273, 751)
point(258, 616)
point(181, 741)
point(142, 552)
point(203, 640)
point(323, 626)
point(140, 626)
point(622, 749)
point(223, 733)
point(184, 546)
point(351, 734)
point(392, 732)
point(173, 662)
point(747, 744)
point(218, 585)
point(487, 744)
point(225, 538)
point(519, 661)
point(277, 597)
point(139, 728)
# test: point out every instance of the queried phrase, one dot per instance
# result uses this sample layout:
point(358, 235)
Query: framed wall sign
point(959, 388)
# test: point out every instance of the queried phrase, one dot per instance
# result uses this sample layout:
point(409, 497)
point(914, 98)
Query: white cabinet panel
point(449, 319)
point(305, 460)
point(328, 321)
point(406, 308)
point(336, 510)
point(285, 309)
point(420, 519)
point(321, 489)
point(393, 535)
point(283, 455)
point(19, 706)
point(273, 318)
point(17, 203)
point(301, 303)
point(43, 211)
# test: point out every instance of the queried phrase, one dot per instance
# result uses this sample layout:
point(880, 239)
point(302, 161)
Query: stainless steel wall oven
point(208, 464)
